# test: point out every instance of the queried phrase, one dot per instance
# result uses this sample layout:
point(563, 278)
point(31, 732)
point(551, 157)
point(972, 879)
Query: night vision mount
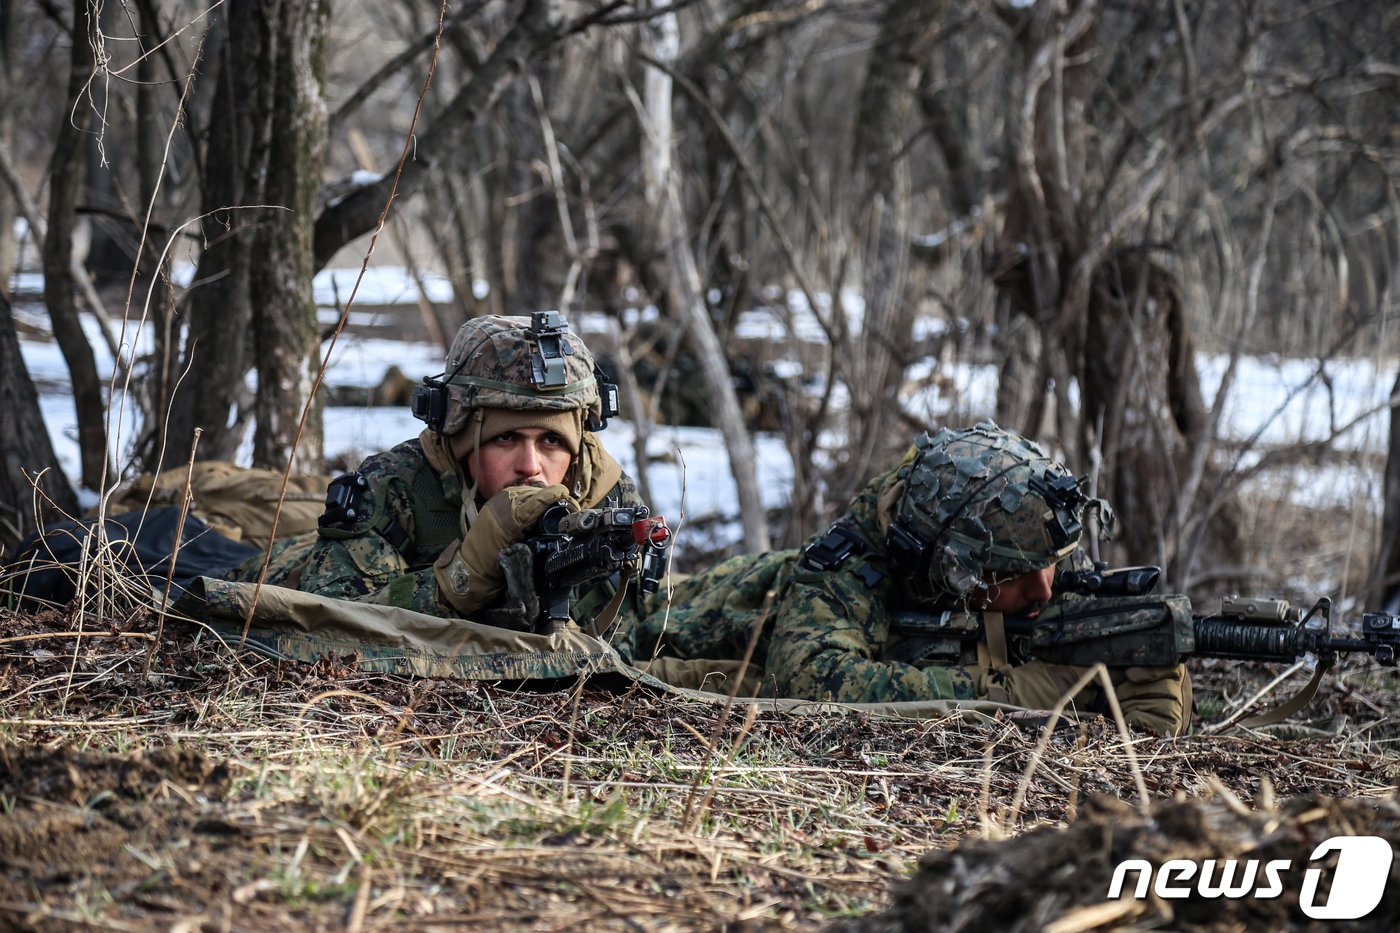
point(547, 363)
point(430, 400)
point(1066, 501)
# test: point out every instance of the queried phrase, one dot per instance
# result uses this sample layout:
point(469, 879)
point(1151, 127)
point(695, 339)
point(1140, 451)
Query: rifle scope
point(1122, 581)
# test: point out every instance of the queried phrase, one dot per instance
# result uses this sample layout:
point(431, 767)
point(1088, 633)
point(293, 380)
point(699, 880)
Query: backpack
point(238, 502)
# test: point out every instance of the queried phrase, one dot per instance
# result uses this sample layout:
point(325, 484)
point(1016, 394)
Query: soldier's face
point(522, 457)
point(1023, 595)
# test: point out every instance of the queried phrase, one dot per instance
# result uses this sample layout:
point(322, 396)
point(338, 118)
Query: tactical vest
point(433, 521)
point(436, 520)
point(431, 524)
point(914, 638)
point(437, 526)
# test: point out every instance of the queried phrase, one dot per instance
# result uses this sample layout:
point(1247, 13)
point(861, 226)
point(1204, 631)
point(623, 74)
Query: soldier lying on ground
point(971, 521)
point(438, 523)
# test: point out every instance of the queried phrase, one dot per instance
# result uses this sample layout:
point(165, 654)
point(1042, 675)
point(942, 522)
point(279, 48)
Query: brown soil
point(127, 802)
point(76, 822)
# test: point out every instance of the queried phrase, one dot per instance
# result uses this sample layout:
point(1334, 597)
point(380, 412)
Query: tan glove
point(468, 575)
point(1034, 685)
point(1157, 699)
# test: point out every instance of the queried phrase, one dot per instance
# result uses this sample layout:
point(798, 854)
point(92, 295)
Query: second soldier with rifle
point(957, 575)
point(971, 523)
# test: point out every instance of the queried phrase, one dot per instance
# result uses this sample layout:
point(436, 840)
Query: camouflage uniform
point(830, 633)
point(403, 510)
point(834, 629)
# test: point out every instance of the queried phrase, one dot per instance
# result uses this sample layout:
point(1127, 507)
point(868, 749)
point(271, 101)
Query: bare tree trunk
point(1141, 391)
point(26, 451)
point(881, 197)
point(1021, 400)
point(9, 95)
point(110, 225)
point(685, 291)
point(533, 216)
point(631, 397)
point(65, 181)
point(1384, 589)
point(488, 193)
point(1111, 314)
point(156, 389)
point(284, 317)
point(451, 235)
point(220, 308)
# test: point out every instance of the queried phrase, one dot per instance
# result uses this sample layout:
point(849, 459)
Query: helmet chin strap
point(576, 469)
point(469, 510)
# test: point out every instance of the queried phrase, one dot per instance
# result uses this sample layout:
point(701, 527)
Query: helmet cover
point(983, 501)
point(519, 363)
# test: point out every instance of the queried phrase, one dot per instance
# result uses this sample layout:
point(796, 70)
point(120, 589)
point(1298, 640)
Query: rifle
point(577, 547)
point(1118, 621)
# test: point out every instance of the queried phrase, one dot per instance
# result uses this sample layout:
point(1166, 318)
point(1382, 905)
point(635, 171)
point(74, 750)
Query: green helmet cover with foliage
point(501, 361)
point(983, 501)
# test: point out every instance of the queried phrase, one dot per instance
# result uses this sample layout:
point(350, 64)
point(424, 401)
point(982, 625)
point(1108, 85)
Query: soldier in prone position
point(439, 524)
point(975, 522)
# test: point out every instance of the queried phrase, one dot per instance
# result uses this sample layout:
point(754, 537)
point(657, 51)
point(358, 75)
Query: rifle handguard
point(1120, 631)
point(1159, 631)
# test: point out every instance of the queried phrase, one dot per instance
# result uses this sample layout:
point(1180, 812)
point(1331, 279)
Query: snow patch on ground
point(1275, 402)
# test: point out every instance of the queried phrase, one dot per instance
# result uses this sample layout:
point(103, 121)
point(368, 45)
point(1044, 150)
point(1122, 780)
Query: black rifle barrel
point(1256, 641)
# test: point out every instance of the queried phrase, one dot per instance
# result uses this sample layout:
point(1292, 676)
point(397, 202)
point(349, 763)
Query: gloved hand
point(468, 575)
point(1155, 698)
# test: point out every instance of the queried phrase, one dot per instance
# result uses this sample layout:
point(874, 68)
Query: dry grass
point(226, 790)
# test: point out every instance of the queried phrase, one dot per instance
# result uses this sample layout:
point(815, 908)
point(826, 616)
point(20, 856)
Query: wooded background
point(1089, 193)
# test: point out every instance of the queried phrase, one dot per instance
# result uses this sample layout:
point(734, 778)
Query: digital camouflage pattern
point(1120, 631)
point(834, 633)
point(495, 362)
point(829, 635)
point(406, 515)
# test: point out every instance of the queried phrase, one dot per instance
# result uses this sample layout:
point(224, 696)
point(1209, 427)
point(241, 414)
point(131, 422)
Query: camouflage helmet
point(519, 363)
point(983, 501)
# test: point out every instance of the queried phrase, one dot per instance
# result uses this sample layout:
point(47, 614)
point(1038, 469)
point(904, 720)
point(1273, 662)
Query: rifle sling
point(604, 619)
point(994, 634)
point(1283, 711)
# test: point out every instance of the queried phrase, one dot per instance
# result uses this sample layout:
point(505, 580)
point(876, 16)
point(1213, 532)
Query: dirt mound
point(1058, 879)
point(74, 821)
point(66, 776)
